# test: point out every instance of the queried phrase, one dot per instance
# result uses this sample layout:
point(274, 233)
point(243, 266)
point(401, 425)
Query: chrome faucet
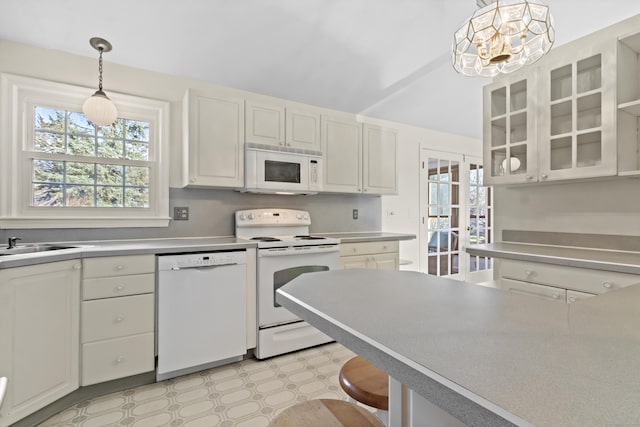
point(12, 242)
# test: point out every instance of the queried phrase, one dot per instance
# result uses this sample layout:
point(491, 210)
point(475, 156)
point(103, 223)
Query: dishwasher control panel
point(195, 260)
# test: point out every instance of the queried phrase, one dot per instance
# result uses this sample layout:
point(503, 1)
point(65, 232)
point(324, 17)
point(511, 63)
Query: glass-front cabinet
point(629, 105)
point(510, 154)
point(577, 113)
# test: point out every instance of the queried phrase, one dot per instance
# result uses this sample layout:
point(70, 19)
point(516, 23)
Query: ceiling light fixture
point(98, 108)
point(502, 36)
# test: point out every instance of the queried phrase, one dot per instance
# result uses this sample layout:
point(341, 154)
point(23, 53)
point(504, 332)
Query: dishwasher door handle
point(204, 267)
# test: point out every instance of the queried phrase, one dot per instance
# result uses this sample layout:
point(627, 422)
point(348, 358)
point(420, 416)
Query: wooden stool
point(365, 383)
point(325, 413)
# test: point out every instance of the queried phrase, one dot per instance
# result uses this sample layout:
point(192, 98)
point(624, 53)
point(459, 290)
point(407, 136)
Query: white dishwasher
point(201, 311)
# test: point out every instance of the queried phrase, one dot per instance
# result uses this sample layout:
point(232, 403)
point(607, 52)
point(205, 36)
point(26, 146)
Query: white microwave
point(280, 172)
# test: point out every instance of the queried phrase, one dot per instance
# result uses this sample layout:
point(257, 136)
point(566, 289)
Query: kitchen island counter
point(598, 259)
point(488, 357)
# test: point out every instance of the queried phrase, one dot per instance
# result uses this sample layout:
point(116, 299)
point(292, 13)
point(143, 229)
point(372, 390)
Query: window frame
point(19, 95)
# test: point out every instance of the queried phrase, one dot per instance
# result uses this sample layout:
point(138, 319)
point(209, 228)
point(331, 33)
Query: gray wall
point(211, 214)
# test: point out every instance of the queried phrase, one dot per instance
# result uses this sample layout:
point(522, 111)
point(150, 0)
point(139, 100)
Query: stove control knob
point(299, 216)
point(251, 216)
point(306, 216)
point(242, 217)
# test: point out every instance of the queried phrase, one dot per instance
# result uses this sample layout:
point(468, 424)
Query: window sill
point(80, 222)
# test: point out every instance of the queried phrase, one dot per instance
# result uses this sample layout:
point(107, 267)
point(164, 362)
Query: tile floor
point(249, 393)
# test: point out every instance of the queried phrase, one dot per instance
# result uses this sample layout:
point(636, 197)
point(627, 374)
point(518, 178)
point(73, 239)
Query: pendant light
point(502, 36)
point(98, 108)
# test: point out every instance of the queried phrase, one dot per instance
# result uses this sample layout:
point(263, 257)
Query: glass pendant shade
point(502, 36)
point(99, 109)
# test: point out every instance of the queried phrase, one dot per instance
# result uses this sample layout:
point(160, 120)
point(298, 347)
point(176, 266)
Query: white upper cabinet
point(379, 166)
point(264, 124)
point(342, 150)
point(577, 112)
point(573, 115)
point(358, 158)
point(510, 144)
point(302, 129)
point(213, 140)
point(282, 126)
point(629, 105)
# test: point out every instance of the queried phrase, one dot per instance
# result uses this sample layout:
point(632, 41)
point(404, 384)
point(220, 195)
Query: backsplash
point(211, 214)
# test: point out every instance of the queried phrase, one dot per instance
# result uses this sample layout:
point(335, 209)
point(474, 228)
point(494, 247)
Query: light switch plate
point(180, 213)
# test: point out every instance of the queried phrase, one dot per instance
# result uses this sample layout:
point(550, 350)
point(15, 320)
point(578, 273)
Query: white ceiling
point(383, 58)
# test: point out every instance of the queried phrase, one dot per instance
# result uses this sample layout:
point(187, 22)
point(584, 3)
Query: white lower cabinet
point(370, 255)
point(117, 317)
point(39, 336)
point(560, 283)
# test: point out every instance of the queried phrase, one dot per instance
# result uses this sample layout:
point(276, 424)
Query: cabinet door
point(342, 150)
point(379, 151)
point(302, 129)
point(264, 124)
point(358, 261)
point(386, 261)
point(509, 130)
point(578, 112)
point(214, 140)
point(39, 332)
point(524, 288)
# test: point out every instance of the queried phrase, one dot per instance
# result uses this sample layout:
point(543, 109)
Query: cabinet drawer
point(574, 296)
point(117, 358)
point(117, 317)
point(118, 266)
point(365, 248)
point(540, 291)
point(107, 287)
point(579, 279)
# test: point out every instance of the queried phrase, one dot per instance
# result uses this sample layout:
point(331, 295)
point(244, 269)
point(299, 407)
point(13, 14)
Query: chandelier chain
point(100, 71)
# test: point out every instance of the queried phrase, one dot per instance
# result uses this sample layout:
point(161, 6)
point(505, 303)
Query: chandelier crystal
point(502, 36)
point(98, 108)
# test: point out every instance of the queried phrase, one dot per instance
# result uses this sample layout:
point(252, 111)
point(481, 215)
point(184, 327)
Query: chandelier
point(502, 36)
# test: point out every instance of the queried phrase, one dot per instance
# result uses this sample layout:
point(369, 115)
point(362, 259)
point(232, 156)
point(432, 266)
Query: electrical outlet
point(355, 214)
point(180, 213)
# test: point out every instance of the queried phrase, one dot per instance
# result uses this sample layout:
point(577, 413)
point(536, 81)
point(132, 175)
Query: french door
point(455, 210)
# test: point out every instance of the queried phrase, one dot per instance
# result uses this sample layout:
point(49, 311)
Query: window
point(66, 172)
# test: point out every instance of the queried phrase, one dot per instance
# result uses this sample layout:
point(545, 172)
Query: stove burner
point(266, 239)
point(307, 237)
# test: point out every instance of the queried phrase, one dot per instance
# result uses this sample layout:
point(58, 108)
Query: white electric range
point(285, 251)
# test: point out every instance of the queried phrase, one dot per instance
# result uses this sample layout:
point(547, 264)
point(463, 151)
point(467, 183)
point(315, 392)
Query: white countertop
point(488, 357)
point(598, 259)
point(89, 249)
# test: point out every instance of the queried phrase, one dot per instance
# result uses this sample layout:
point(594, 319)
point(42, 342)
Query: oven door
point(278, 266)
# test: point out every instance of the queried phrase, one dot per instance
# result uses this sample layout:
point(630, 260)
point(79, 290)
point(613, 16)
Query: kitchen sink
point(29, 249)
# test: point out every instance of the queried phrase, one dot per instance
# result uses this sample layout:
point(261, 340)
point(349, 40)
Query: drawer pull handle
point(119, 267)
point(384, 247)
point(119, 288)
point(120, 359)
point(607, 285)
point(355, 250)
point(573, 299)
point(555, 295)
point(529, 272)
point(76, 266)
point(119, 319)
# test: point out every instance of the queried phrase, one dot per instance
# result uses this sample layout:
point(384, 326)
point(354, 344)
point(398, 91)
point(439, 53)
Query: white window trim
point(17, 96)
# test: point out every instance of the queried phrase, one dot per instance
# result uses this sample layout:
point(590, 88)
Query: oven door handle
point(297, 250)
